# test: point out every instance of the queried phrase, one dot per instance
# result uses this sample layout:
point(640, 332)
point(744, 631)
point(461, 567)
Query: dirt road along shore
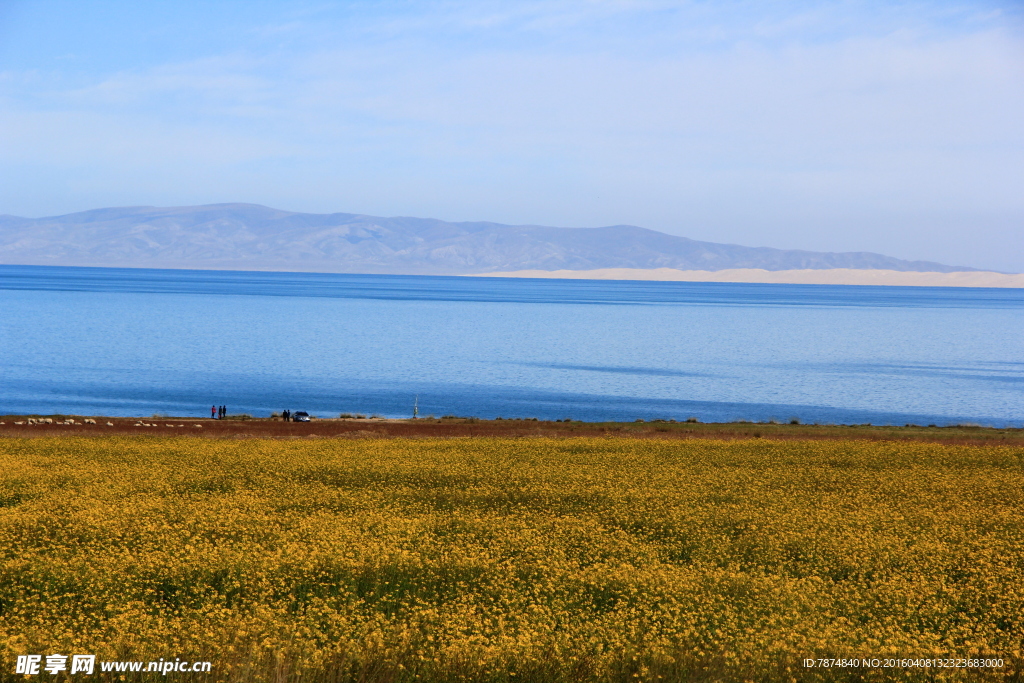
point(63, 425)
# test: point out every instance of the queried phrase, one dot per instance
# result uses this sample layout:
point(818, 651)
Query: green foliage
point(543, 560)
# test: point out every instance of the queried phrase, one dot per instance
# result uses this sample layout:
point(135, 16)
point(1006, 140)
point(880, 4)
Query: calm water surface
point(140, 342)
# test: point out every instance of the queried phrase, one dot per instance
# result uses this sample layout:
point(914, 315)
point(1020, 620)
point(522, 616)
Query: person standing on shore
point(213, 412)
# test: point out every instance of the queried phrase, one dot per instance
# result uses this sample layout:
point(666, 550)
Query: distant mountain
point(253, 237)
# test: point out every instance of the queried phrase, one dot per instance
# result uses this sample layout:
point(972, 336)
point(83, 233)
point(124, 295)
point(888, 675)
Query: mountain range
point(253, 237)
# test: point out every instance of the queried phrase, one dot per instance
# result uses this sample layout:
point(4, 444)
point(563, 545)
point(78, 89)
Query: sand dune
point(834, 276)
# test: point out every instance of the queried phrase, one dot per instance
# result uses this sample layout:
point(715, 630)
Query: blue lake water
point(141, 342)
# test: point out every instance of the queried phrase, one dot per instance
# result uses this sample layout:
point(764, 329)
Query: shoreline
point(832, 276)
point(462, 427)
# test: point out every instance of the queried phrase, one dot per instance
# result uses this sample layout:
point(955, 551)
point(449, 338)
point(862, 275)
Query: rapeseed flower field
point(501, 560)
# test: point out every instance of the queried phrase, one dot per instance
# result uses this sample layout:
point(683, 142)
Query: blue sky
point(895, 127)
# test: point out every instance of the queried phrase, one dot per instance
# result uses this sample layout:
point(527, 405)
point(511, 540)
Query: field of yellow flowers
point(501, 560)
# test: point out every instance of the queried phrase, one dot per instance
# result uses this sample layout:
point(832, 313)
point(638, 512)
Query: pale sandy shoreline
point(835, 276)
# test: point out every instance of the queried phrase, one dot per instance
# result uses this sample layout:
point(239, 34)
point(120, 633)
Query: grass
point(349, 425)
point(529, 559)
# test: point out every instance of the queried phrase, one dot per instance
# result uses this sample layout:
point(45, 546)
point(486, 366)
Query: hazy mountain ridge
point(253, 237)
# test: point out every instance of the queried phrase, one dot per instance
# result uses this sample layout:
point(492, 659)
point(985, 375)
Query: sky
point(893, 127)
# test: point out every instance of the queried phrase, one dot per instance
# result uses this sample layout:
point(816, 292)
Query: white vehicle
point(301, 416)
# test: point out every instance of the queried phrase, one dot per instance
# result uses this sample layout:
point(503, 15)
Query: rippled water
point(139, 342)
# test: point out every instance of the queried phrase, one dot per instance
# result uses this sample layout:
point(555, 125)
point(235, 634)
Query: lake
point(136, 342)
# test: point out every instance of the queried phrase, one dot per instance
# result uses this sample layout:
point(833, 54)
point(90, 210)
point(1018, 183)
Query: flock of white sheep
point(87, 421)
